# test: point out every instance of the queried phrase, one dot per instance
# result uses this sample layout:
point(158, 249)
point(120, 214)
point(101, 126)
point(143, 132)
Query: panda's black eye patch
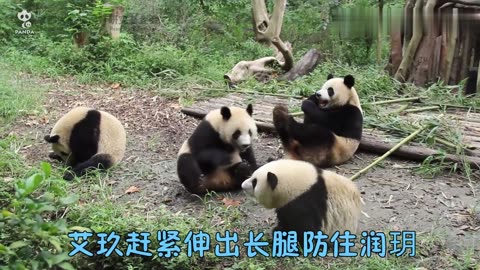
point(236, 134)
point(331, 92)
point(254, 183)
point(250, 132)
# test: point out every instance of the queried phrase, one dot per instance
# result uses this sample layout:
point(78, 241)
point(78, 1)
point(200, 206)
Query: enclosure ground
point(441, 210)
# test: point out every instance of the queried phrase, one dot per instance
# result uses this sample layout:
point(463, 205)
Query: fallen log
point(303, 67)
point(371, 143)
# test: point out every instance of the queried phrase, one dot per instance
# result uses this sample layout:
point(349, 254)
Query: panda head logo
point(24, 16)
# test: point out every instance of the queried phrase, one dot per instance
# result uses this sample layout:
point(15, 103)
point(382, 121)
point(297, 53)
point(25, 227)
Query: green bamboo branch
point(398, 145)
point(398, 100)
point(401, 109)
point(429, 108)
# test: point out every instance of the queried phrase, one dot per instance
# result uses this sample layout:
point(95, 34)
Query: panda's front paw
point(69, 175)
point(308, 106)
point(54, 156)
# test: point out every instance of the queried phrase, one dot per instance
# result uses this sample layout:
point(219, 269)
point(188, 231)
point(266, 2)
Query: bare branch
point(261, 20)
point(275, 27)
point(287, 53)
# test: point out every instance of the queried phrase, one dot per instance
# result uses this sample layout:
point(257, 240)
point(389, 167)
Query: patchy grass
point(18, 95)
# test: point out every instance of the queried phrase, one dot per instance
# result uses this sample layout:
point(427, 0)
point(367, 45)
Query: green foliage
point(33, 233)
point(87, 18)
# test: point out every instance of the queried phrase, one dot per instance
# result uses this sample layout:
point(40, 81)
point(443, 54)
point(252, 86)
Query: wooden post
point(380, 31)
point(452, 42)
point(114, 21)
point(401, 74)
point(478, 78)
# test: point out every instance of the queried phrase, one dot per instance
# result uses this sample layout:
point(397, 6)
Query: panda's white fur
point(212, 159)
point(85, 138)
point(306, 198)
point(331, 131)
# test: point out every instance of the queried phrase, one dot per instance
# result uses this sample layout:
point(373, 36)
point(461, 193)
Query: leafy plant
point(33, 232)
point(86, 18)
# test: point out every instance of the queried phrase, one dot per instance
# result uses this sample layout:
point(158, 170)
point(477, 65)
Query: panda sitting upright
point(218, 156)
point(332, 126)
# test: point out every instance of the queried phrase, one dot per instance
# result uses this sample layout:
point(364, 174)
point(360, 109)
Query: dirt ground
point(396, 198)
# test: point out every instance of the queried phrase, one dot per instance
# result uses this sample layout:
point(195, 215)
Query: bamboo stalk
point(398, 100)
point(401, 109)
point(422, 109)
point(265, 94)
point(296, 113)
point(447, 143)
point(398, 145)
point(250, 92)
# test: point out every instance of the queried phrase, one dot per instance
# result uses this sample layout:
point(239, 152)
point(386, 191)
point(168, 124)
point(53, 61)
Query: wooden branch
point(275, 27)
point(407, 60)
point(389, 152)
point(287, 54)
point(371, 143)
point(304, 66)
point(260, 20)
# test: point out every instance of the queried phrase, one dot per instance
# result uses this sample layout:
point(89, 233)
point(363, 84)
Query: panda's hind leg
point(240, 172)
point(98, 161)
point(280, 121)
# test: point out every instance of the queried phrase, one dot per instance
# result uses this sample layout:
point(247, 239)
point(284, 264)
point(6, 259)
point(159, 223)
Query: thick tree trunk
point(422, 64)
point(402, 71)
point(380, 32)
point(443, 44)
point(396, 46)
point(466, 50)
point(407, 26)
point(452, 42)
point(303, 67)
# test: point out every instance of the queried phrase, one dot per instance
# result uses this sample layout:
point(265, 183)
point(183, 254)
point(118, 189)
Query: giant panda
point(332, 128)
point(305, 197)
point(219, 155)
point(85, 139)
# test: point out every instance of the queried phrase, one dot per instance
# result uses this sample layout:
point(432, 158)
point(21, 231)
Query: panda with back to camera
point(306, 198)
point(219, 155)
point(85, 139)
point(332, 126)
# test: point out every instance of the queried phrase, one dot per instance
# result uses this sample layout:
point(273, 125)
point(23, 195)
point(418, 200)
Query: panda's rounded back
point(113, 137)
point(343, 204)
point(63, 127)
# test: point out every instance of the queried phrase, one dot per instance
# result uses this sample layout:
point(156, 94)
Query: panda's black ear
point(330, 76)
point(225, 111)
point(52, 139)
point(250, 109)
point(349, 81)
point(272, 180)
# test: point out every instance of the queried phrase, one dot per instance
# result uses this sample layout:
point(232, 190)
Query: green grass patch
point(18, 94)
